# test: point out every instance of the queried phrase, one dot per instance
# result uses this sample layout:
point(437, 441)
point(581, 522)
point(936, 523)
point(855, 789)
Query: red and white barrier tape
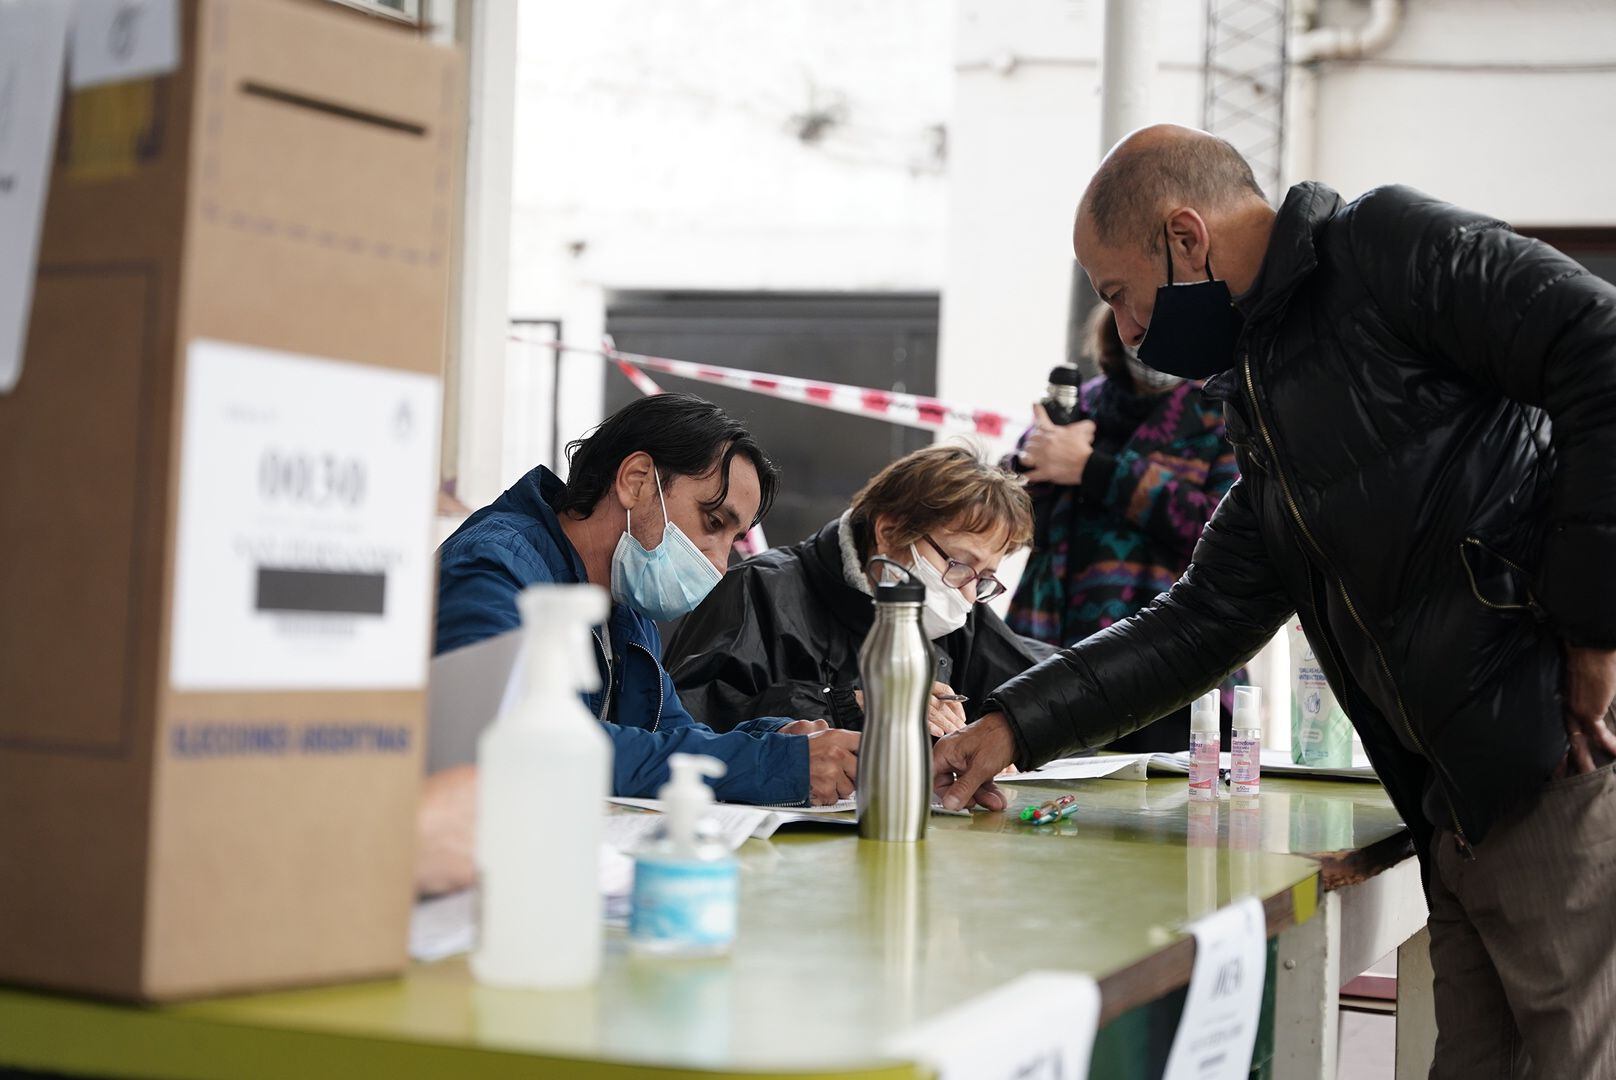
point(911, 410)
point(754, 542)
point(642, 382)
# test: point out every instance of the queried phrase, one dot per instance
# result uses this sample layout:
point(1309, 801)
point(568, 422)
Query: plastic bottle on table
point(544, 771)
point(1321, 734)
point(1206, 743)
point(686, 881)
point(1245, 743)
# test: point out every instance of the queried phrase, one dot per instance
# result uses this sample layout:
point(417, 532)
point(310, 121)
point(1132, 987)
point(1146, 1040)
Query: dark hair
point(1136, 184)
point(685, 436)
point(1103, 345)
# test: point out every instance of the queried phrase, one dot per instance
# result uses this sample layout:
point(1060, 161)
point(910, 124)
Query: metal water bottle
point(895, 665)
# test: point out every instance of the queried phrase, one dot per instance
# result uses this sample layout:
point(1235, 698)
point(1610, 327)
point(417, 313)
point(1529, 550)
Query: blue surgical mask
point(669, 580)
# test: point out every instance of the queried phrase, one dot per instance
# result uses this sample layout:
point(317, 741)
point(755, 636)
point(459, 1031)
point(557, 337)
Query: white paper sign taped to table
point(33, 43)
point(119, 40)
point(1219, 1027)
point(305, 523)
point(1039, 1027)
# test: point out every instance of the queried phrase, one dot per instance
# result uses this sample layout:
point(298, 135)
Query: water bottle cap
point(900, 592)
point(1065, 375)
point(908, 590)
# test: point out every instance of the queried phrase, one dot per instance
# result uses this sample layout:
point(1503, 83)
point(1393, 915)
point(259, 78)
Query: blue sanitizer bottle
point(686, 882)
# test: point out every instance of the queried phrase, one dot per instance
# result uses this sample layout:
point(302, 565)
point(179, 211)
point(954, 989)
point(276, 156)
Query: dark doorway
point(885, 342)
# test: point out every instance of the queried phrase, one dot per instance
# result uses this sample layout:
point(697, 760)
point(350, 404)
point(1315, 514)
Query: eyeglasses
point(957, 575)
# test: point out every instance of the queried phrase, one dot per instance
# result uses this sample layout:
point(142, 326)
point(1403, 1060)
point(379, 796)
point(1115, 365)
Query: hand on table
point(1590, 687)
point(965, 763)
point(446, 832)
point(832, 765)
point(1054, 454)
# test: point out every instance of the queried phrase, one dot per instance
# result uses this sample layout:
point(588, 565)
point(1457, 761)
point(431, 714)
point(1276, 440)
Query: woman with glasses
point(780, 634)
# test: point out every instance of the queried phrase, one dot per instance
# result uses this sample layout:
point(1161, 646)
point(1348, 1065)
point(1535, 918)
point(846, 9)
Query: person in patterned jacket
point(1120, 498)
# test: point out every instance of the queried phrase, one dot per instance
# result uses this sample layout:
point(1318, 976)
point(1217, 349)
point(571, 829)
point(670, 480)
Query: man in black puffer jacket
point(1423, 404)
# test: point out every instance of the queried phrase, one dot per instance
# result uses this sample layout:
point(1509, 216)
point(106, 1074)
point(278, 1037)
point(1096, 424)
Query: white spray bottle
point(544, 773)
point(686, 881)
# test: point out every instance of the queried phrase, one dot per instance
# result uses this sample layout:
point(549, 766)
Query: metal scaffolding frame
point(1246, 61)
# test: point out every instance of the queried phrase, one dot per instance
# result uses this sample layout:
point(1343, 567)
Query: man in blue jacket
point(654, 499)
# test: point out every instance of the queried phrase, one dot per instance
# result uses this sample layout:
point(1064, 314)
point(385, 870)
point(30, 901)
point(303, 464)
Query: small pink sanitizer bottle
point(1245, 743)
point(1205, 746)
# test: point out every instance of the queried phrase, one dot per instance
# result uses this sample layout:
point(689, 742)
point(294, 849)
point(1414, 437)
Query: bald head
point(1156, 170)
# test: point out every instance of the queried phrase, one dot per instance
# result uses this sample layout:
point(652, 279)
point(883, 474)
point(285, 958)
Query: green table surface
point(842, 945)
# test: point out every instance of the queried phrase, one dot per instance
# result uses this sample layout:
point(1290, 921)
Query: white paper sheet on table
point(1101, 766)
point(445, 926)
point(737, 823)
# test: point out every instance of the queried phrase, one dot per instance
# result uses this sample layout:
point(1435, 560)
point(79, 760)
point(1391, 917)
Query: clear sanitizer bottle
point(1245, 743)
point(1206, 744)
point(544, 773)
point(686, 880)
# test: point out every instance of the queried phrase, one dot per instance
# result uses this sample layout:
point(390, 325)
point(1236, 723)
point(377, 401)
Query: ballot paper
point(1041, 1026)
point(1274, 763)
point(445, 926)
point(1102, 766)
point(735, 824)
point(1218, 1028)
point(33, 47)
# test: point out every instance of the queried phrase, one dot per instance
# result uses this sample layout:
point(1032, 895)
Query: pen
point(961, 698)
point(1048, 809)
point(1060, 815)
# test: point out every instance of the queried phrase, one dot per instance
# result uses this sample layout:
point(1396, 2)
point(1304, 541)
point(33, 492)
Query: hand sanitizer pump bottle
point(544, 773)
point(1245, 743)
point(1206, 742)
point(686, 882)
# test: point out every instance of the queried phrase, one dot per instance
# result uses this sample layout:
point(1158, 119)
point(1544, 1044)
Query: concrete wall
point(1449, 107)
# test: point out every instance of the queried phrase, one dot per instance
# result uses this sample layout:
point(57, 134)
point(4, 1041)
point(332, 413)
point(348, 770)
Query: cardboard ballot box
point(217, 473)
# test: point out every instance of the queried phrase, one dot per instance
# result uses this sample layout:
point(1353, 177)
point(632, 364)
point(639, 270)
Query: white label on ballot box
point(119, 40)
point(307, 489)
point(33, 42)
point(1039, 1027)
point(1219, 1027)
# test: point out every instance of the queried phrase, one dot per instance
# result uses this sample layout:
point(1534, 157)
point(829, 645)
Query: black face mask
point(1194, 326)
